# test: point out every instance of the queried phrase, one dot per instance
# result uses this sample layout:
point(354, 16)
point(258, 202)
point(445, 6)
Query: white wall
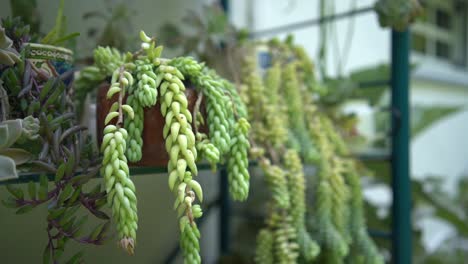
point(369, 45)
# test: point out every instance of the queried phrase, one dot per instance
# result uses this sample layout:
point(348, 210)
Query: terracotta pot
point(154, 150)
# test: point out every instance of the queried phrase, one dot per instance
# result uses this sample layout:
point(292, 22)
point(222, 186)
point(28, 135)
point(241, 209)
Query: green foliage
point(118, 21)
point(397, 14)
point(57, 34)
point(40, 120)
point(145, 79)
point(28, 11)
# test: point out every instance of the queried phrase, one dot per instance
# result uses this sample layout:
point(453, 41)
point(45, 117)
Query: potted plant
point(154, 110)
point(39, 134)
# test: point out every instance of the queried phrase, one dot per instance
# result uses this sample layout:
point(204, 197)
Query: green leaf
point(54, 96)
point(49, 37)
point(19, 156)
point(70, 165)
point(97, 231)
point(32, 190)
point(24, 209)
point(7, 169)
point(70, 212)
point(75, 196)
point(56, 213)
point(44, 187)
point(82, 179)
point(16, 192)
point(77, 258)
point(71, 131)
point(46, 255)
point(100, 214)
point(68, 226)
point(65, 193)
point(78, 226)
point(10, 202)
point(60, 172)
point(66, 38)
point(47, 86)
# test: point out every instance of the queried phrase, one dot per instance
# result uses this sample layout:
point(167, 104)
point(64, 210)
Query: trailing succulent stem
point(288, 128)
point(145, 79)
point(119, 187)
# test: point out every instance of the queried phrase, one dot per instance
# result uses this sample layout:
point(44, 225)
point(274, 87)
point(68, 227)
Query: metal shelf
point(134, 171)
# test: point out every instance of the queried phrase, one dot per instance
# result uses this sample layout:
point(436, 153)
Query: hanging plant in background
point(39, 133)
point(144, 78)
point(334, 231)
point(285, 238)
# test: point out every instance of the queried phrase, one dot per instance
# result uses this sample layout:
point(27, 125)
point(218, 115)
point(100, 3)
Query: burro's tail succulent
point(119, 187)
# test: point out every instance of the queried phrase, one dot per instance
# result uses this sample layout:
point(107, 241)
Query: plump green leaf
point(74, 197)
point(19, 156)
point(24, 209)
point(56, 213)
point(71, 211)
point(100, 214)
point(97, 231)
point(60, 172)
point(81, 179)
point(32, 190)
point(15, 191)
point(7, 168)
point(52, 99)
point(101, 202)
point(46, 88)
point(65, 193)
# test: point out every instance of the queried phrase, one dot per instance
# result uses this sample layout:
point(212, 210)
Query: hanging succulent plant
point(140, 80)
point(292, 129)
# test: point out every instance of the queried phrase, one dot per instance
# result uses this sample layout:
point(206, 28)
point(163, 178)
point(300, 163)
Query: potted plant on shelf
point(40, 135)
point(171, 111)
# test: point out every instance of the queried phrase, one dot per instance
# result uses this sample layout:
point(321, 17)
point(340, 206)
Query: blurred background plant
point(117, 17)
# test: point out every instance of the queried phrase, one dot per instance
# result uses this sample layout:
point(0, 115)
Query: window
point(443, 19)
point(442, 34)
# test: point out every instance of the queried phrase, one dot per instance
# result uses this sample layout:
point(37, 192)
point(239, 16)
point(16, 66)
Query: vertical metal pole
point(225, 210)
point(401, 185)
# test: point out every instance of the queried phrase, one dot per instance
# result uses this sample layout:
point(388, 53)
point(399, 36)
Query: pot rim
point(48, 52)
